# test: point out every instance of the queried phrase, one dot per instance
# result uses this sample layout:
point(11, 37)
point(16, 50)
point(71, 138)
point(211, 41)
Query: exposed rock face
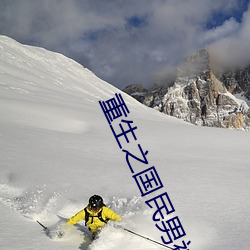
point(198, 96)
point(137, 91)
point(237, 81)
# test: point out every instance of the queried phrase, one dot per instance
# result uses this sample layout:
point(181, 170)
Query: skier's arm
point(77, 217)
point(110, 214)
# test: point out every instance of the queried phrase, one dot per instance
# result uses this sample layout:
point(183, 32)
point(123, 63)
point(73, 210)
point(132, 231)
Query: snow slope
point(57, 149)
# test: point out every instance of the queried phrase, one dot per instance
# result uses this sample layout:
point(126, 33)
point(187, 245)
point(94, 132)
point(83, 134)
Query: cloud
point(233, 49)
point(228, 28)
point(126, 42)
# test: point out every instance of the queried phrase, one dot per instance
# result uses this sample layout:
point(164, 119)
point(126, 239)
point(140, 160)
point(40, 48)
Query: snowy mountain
point(57, 149)
point(201, 95)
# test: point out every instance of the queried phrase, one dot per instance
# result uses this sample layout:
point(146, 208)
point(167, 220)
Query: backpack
point(99, 216)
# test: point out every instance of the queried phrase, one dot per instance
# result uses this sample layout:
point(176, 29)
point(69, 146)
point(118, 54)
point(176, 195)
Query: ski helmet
point(95, 202)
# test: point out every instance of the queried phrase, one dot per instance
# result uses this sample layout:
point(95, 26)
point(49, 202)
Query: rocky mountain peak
point(196, 64)
point(200, 96)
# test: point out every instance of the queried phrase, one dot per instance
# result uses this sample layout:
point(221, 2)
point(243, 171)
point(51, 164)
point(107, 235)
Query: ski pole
point(146, 238)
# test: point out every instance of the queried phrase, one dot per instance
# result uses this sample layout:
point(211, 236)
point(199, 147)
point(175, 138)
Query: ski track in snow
point(53, 209)
point(39, 204)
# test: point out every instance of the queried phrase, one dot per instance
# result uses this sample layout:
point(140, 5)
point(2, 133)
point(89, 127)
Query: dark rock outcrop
point(200, 96)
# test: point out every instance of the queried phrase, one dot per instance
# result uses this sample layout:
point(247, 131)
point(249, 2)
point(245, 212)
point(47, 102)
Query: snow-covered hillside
point(57, 149)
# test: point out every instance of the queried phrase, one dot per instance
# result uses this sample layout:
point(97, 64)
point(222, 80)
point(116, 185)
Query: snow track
point(39, 204)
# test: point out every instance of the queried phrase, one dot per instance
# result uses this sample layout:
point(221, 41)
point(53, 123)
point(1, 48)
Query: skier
point(95, 214)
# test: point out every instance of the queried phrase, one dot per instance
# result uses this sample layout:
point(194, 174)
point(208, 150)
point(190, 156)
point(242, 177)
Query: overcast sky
point(131, 41)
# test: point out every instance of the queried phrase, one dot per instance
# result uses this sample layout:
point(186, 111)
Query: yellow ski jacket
point(94, 223)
